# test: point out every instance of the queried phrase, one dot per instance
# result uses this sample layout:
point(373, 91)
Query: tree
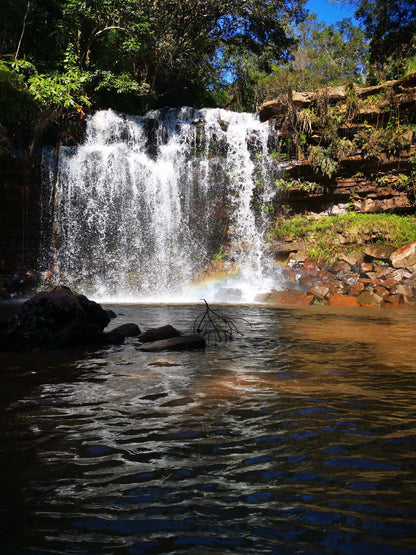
point(148, 47)
point(328, 53)
point(390, 26)
point(323, 55)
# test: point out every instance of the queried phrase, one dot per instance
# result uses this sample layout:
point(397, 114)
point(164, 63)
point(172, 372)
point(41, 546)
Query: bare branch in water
point(211, 324)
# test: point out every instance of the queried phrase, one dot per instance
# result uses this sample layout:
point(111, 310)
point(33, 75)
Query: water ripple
point(288, 449)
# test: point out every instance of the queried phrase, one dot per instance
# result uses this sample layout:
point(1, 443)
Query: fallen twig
point(211, 323)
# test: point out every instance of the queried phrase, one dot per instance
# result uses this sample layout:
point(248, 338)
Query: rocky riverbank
point(381, 276)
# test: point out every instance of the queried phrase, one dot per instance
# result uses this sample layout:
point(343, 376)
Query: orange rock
point(388, 283)
point(405, 256)
point(342, 300)
point(366, 267)
point(311, 268)
point(369, 298)
point(369, 281)
point(381, 291)
point(356, 289)
point(291, 296)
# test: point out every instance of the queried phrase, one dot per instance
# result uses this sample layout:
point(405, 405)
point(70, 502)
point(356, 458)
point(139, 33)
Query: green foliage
point(392, 140)
point(323, 54)
point(62, 91)
point(166, 52)
point(410, 65)
point(220, 255)
point(59, 91)
point(391, 28)
point(288, 185)
point(322, 160)
point(121, 84)
point(322, 236)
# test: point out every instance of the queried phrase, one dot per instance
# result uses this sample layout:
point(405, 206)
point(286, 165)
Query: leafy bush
point(296, 185)
point(322, 160)
point(392, 140)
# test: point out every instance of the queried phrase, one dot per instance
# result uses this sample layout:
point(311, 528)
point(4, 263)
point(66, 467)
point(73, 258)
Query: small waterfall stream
point(145, 203)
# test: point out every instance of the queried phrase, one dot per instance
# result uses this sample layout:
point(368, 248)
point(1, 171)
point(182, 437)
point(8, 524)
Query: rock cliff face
point(19, 216)
point(348, 147)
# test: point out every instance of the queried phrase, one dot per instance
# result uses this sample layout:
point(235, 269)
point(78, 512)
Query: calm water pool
point(297, 437)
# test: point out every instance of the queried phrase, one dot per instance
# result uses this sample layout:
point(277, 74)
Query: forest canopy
point(64, 57)
point(167, 50)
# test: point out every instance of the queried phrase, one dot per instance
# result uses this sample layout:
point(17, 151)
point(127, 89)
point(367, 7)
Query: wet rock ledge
point(381, 276)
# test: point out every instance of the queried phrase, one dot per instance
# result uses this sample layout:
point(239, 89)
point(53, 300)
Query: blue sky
point(330, 12)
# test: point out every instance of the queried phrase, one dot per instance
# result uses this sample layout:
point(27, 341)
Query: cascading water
point(141, 207)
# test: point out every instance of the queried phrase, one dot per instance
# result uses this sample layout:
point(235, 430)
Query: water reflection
point(298, 437)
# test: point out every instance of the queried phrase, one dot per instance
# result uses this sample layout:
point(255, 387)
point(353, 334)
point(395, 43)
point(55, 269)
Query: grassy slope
point(328, 236)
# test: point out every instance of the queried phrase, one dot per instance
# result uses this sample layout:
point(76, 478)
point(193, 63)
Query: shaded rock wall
point(19, 214)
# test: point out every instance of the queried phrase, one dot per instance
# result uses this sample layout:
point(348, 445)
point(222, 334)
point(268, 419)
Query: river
point(298, 436)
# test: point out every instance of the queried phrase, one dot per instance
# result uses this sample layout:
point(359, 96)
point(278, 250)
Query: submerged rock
point(55, 319)
point(127, 330)
point(157, 334)
point(181, 343)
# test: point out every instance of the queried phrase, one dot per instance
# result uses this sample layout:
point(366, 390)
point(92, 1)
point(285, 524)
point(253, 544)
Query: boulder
point(290, 296)
point(127, 330)
point(379, 252)
point(400, 274)
point(302, 99)
point(366, 267)
point(405, 289)
point(369, 298)
point(342, 300)
point(318, 290)
point(272, 108)
point(351, 278)
point(54, 319)
point(340, 268)
point(381, 291)
point(158, 334)
point(333, 94)
point(296, 258)
point(181, 343)
point(395, 300)
point(405, 257)
point(352, 259)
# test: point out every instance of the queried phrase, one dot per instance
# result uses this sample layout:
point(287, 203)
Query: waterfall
point(140, 209)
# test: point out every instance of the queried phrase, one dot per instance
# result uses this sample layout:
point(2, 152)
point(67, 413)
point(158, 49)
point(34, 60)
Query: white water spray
point(139, 209)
